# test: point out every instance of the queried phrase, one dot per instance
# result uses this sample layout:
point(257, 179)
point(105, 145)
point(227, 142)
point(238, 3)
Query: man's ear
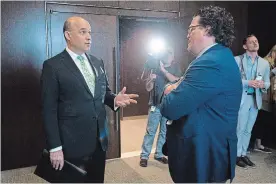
point(244, 46)
point(207, 31)
point(67, 35)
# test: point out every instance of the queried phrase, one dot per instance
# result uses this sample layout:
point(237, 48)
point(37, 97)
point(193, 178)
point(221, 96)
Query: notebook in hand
point(70, 173)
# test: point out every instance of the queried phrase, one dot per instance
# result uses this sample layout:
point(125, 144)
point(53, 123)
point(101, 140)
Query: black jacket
point(72, 117)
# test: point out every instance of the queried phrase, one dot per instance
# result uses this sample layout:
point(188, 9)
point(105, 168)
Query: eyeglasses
point(192, 28)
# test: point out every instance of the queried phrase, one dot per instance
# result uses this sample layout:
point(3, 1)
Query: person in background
point(169, 71)
point(269, 57)
point(265, 114)
point(255, 78)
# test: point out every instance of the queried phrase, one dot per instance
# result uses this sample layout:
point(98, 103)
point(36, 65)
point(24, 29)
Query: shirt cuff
point(115, 107)
point(169, 122)
point(56, 149)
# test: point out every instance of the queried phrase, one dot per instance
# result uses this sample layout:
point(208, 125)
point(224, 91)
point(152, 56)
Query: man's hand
point(260, 84)
point(253, 83)
point(162, 68)
point(170, 87)
point(122, 99)
point(152, 76)
point(57, 159)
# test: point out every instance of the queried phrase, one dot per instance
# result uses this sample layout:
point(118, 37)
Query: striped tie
point(89, 77)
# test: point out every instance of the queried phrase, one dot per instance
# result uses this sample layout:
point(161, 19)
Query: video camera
point(156, 54)
point(153, 61)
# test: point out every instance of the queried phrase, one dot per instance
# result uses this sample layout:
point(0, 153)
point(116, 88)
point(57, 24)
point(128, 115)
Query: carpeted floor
point(127, 170)
point(133, 130)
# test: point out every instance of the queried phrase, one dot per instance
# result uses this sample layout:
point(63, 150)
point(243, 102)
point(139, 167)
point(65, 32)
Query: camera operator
point(167, 71)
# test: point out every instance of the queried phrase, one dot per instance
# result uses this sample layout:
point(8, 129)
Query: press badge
point(152, 108)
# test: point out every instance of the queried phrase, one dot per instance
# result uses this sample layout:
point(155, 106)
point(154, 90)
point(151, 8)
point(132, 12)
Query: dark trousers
point(93, 164)
point(260, 126)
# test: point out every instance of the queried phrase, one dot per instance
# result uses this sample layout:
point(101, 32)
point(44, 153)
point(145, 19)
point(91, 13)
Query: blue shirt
point(251, 72)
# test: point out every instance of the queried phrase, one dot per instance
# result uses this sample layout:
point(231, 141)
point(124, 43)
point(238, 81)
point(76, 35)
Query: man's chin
point(189, 49)
point(87, 48)
point(256, 49)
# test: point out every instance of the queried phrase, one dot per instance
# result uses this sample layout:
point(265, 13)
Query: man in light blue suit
point(255, 73)
point(204, 104)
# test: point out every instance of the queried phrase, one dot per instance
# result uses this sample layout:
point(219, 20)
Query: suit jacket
point(262, 68)
point(73, 118)
point(202, 141)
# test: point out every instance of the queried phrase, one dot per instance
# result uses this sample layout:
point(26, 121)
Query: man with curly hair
point(204, 104)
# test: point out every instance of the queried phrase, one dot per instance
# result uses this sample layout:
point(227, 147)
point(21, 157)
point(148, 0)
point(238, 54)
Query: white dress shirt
point(204, 50)
point(77, 62)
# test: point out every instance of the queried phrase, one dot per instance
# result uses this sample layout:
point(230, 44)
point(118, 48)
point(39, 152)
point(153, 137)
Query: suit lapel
point(244, 63)
point(68, 61)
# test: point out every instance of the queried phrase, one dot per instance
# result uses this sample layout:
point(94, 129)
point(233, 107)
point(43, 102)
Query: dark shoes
point(240, 163)
point(247, 161)
point(163, 160)
point(264, 150)
point(244, 162)
point(144, 162)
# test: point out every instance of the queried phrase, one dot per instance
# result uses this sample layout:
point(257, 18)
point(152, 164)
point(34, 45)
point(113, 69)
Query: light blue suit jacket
point(263, 69)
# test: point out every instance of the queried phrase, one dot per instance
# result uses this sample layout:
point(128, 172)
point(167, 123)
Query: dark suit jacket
point(202, 141)
point(72, 117)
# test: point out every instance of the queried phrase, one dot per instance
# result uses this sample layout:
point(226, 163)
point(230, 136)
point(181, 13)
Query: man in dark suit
point(74, 92)
point(204, 104)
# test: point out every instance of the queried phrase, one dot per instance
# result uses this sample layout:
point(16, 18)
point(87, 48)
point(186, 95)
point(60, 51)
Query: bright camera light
point(156, 46)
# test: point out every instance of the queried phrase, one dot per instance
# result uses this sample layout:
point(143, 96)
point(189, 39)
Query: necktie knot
point(81, 58)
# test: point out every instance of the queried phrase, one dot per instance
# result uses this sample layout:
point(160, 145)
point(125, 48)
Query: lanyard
point(242, 68)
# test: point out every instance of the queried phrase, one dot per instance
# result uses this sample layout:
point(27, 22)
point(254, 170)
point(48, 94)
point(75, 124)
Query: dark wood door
point(23, 52)
point(104, 43)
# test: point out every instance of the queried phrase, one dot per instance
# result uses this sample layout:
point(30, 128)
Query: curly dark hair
point(221, 23)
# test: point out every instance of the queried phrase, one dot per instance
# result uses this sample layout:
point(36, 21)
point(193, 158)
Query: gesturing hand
point(122, 99)
point(57, 159)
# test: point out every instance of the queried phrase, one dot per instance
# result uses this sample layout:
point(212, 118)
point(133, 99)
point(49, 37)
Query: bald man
point(74, 92)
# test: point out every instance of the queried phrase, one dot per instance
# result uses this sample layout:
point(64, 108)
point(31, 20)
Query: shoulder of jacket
point(53, 60)
point(263, 60)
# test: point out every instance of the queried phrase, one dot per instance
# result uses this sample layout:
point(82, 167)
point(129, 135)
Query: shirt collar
point(248, 57)
point(204, 50)
point(74, 55)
